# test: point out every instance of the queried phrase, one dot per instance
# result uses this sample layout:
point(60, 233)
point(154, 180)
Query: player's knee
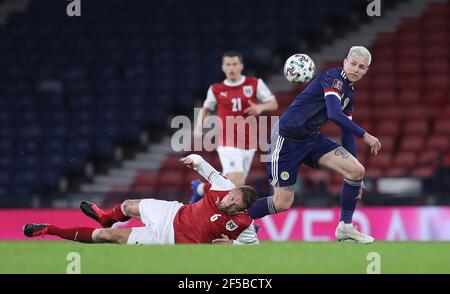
point(356, 173)
point(105, 235)
point(127, 206)
point(283, 202)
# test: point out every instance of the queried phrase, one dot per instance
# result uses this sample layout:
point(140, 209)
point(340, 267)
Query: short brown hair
point(248, 196)
point(233, 53)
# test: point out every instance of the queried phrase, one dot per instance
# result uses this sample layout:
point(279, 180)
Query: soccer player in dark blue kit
point(296, 139)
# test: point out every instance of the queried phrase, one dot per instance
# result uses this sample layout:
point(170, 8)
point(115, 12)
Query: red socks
point(114, 215)
point(79, 234)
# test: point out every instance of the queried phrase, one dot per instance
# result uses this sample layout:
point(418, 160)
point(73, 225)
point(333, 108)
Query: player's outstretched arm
point(334, 113)
point(218, 181)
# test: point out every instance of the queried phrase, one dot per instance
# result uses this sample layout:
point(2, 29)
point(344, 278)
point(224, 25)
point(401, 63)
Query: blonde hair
point(360, 51)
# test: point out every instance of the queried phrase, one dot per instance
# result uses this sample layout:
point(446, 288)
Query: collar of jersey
point(234, 84)
point(346, 79)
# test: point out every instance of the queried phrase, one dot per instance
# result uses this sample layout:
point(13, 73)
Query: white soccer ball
point(299, 68)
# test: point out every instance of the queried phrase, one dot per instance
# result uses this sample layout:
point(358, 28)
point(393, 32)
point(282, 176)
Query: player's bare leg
point(131, 208)
point(283, 197)
point(119, 236)
point(342, 162)
point(238, 178)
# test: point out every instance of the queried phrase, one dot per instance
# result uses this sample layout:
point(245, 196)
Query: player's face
point(355, 67)
point(232, 67)
point(232, 203)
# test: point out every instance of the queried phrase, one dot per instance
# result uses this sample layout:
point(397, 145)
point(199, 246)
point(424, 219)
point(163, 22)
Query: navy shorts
point(286, 155)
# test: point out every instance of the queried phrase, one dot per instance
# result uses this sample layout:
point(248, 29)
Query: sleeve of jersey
point(334, 113)
point(210, 101)
point(247, 237)
point(218, 181)
point(332, 85)
point(263, 93)
point(348, 142)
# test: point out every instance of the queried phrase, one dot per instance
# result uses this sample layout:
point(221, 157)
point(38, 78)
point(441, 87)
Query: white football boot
point(348, 233)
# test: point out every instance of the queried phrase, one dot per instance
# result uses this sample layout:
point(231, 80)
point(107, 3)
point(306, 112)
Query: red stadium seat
point(412, 143)
point(437, 81)
point(331, 129)
point(396, 172)
point(410, 46)
point(410, 24)
point(381, 160)
point(382, 67)
point(408, 67)
point(383, 98)
point(405, 159)
point(408, 96)
point(386, 39)
point(415, 127)
point(417, 112)
point(437, 48)
point(171, 179)
point(438, 142)
point(373, 172)
point(172, 162)
point(387, 143)
point(422, 172)
point(442, 127)
point(429, 158)
point(145, 180)
point(411, 82)
point(383, 82)
point(388, 128)
point(409, 40)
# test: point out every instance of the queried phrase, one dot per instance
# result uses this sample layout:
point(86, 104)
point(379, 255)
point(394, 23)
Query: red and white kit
point(237, 146)
point(169, 222)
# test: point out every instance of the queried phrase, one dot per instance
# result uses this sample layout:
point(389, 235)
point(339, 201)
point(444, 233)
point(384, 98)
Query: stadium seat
point(442, 127)
point(422, 172)
point(417, 127)
point(412, 143)
point(405, 159)
point(380, 161)
point(438, 142)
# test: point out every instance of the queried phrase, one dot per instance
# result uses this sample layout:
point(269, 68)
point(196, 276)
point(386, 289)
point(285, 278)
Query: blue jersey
point(308, 111)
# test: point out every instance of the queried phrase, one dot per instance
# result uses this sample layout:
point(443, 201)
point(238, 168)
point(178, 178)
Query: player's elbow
point(333, 116)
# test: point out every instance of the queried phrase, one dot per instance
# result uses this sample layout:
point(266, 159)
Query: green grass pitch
point(268, 258)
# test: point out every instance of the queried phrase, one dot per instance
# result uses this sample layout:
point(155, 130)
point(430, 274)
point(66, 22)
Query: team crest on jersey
point(284, 176)
point(337, 84)
point(346, 101)
point(231, 225)
point(248, 91)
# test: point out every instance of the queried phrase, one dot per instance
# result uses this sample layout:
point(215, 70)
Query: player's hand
point(254, 109)
point(223, 240)
point(373, 142)
point(188, 162)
